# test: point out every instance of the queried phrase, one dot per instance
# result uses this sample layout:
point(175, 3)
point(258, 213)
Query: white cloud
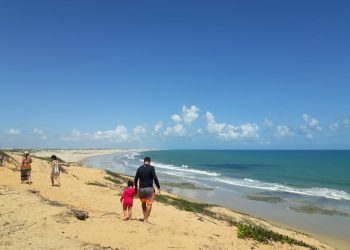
point(40, 133)
point(76, 132)
point(347, 122)
point(176, 118)
point(190, 114)
point(309, 136)
point(304, 130)
point(13, 132)
point(214, 127)
point(75, 135)
point(199, 131)
point(177, 130)
point(249, 130)
point(312, 123)
point(229, 131)
point(187, 117)
point(268, 123)
point(333, 126)
point(138, 133)
point(283, 131)
point(157, 127)
point(119, 134)
point(139, 130)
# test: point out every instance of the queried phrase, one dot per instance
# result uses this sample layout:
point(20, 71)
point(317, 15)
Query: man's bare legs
point(146, 209)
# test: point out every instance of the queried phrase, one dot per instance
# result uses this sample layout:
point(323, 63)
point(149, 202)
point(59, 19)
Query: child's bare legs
point(125, 211)
point(52, 181)
point(130, 212)
point(58, 181)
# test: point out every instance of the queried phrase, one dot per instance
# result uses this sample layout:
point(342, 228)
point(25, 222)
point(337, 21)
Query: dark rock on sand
point(79, 214)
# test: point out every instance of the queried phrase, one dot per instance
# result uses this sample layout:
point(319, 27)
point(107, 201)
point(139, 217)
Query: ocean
point(307, 189)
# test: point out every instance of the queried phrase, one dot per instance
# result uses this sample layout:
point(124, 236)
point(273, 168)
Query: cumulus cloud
point(119, 134)
point(347, 122)
point(13, 132)
point(333, 126)
point(304, 130)
point(268, 123)
point(139, 130)
point(230, 132)
point(187, 117)
point(138, 133)
point(40, 133)
point(157, 127)
point(283, 131)
point(214, 127)
point(190, 114)
point(311, 124)
point(249, 130)
point(176, 118)
point(177, 130)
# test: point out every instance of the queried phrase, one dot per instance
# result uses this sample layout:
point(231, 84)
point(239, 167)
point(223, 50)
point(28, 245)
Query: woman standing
point(55, 171)
point(26, 168)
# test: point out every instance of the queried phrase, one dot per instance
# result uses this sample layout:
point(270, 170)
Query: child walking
point(127, 200)
point(55, 171)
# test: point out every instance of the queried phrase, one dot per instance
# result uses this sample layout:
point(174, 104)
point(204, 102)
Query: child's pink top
point(127, 196)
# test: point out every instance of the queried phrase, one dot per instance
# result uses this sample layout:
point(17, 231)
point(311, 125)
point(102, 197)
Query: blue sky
point(175, 74)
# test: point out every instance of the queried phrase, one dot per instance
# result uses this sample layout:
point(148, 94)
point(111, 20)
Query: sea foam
point(314, 191)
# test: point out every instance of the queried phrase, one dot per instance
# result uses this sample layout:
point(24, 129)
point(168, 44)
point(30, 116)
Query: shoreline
point(73, 198)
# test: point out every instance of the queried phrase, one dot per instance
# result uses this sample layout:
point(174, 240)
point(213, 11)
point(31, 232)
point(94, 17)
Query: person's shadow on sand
point(141, 220)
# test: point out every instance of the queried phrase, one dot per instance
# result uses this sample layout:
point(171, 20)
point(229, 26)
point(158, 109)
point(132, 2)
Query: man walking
point(146, 174)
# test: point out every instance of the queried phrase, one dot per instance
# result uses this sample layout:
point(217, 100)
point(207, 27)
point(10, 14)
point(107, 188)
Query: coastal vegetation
point(244, 229)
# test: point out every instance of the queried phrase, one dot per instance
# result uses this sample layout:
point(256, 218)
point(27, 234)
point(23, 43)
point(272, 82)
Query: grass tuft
point(309, 209)
point(114, 180)
point(268, 199)
point(186, 205)
point(244, 231)
point(95, 183)
point(117, 176)
point(265, 236)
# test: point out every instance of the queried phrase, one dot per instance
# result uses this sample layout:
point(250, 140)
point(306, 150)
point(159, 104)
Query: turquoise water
point(320, 173)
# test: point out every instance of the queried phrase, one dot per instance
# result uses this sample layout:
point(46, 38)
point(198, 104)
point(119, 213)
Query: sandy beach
point(39, 216)
point(77, 156)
